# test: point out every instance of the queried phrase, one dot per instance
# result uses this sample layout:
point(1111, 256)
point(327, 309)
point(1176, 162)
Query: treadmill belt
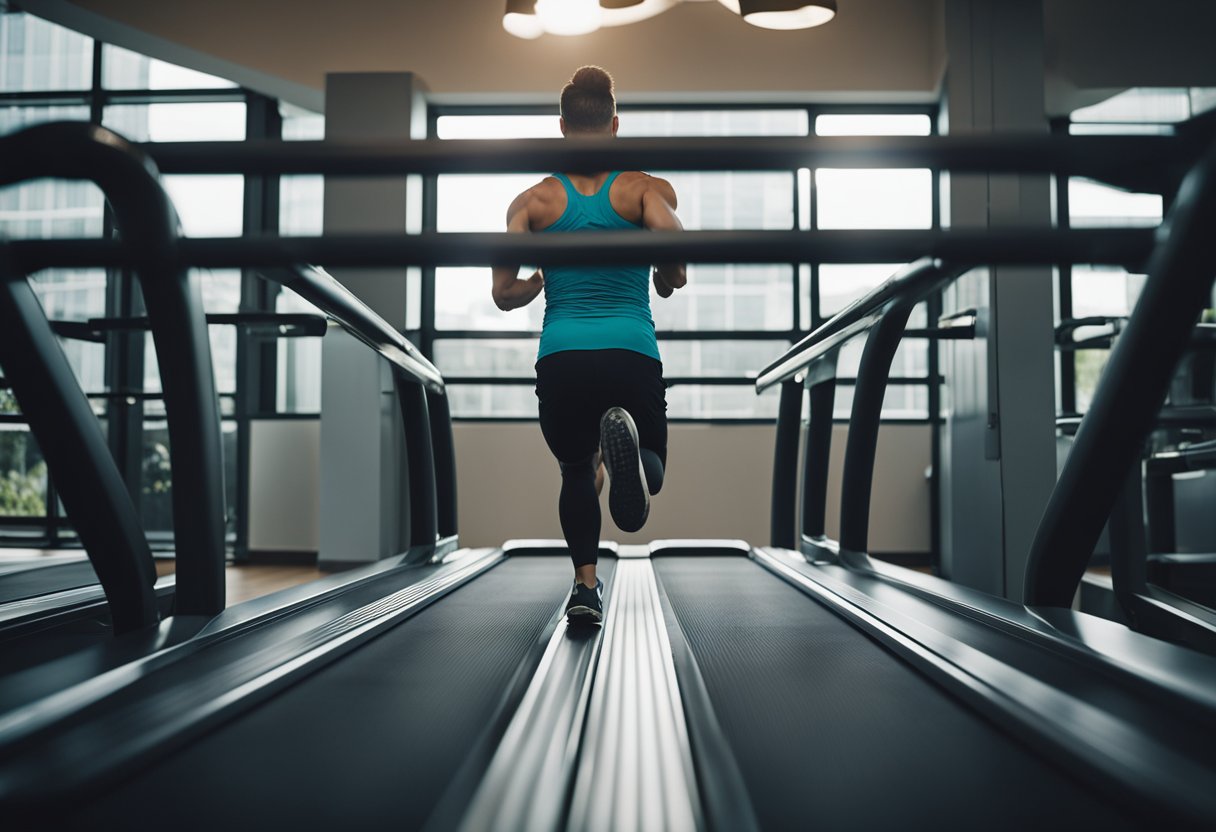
point(369, 741)
point(41, 580)
point(833, 732)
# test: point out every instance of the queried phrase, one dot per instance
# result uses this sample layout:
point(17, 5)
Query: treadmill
point(732, 686)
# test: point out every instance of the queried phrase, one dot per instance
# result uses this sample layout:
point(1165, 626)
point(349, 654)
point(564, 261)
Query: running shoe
point(628, 496)
point(586, 605)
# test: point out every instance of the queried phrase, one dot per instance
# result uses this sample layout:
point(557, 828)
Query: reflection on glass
point(301, 205)
point(37, 55)
point(911, 359)
point(874, 198)
point(122, 69)
point(300, 124)
point(23, 479)
point(221, 290)
point(14, 118)
point(713, 123)
point(498, 127)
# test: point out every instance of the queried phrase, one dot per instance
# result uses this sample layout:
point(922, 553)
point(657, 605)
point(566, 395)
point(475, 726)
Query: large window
point(731, 320)
point(48, 73)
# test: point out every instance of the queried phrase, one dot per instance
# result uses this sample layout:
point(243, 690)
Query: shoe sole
point(583, 614)
point(628, 497)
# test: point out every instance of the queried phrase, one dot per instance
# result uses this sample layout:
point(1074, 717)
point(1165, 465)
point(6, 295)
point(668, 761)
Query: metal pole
point(785, 465)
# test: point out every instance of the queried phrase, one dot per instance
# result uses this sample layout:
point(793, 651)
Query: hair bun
point(593, 79)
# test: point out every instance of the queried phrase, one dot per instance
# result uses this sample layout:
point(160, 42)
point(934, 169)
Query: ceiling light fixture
point(787, 14)
point(532, 18)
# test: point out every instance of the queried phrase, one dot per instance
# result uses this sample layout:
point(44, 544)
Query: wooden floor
point(243, 582)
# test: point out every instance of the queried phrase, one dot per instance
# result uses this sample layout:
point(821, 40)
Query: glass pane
point(14, 118)
point(727, 201)
point(792, 122)
point(302, 205)
point(842, 283)
point(1100, 129)
point(729, 297)
point(719, 358)
point(23, 481)
point(51, 208)
point(1104, 290)
point(468, 202)
point(1139, 104)
point(874, 198)
point(498, 127)
point(1089, 367)
point(37, 55)
point(462, 301)
point(693, 401)
point(902, 401)
point(1093, 205)
point(497, 401)
point(298, 375)
point(873, 125)
point(221, 290)
point(77, 295)
point(156, 479)
point(911, 359)
point(300, 124)
point(122, 69)
point(486, 357)
point(208, 206)
point(202, 122)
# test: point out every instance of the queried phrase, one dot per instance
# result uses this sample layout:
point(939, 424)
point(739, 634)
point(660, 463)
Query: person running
point(599, 375)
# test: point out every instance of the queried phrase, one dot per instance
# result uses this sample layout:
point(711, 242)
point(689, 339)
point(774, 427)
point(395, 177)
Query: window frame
point(427, 334)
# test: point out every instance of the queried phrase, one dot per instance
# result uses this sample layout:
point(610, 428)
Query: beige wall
point(718, 485)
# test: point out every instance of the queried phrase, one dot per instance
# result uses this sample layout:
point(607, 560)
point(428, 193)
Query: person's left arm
point(509, 291)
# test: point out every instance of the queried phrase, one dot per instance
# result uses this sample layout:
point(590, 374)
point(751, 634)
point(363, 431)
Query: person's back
point(598, 372)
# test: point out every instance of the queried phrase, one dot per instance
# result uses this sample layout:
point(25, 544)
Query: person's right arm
point(659, 214)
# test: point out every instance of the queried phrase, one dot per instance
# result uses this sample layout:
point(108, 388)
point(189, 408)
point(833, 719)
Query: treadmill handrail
point(916, 279)
point(149, 225)
point(1130, 393)
point(322, 290)
point(1153, 163)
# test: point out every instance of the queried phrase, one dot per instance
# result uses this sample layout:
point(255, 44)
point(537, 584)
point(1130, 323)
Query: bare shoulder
point(542, 203)
point(638, 183)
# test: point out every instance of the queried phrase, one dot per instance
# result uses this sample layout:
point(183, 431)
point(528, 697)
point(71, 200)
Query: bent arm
point(659, 214)
point(508, 291)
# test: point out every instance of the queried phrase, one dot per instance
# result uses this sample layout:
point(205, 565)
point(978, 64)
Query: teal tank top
point(596, 307)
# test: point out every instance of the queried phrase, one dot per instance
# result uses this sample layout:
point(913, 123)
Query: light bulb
point(569, 17)
point(527, 26)
point(803, 18)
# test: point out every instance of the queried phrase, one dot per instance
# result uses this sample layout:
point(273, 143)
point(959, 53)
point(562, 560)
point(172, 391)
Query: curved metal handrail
point(914, 280)
point(323, 291)
point(148, 224)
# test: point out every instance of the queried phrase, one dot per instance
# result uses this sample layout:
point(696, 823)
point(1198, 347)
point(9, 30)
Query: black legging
point(579, 506)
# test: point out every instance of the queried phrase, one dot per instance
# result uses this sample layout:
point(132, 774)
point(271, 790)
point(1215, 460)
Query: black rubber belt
point(41, 580)
point(368, 742)
point(833, 732)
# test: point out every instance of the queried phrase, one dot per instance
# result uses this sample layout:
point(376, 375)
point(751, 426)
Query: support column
point(998, 449)
point(364, 499)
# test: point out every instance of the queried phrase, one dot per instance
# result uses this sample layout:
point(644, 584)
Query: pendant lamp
point(787, 14)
